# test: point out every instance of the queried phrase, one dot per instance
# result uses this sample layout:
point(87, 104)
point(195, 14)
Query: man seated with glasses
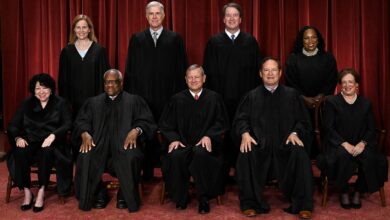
point(107, 129)
point(274, 128)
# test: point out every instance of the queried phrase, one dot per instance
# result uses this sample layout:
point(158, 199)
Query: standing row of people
point(270, 124)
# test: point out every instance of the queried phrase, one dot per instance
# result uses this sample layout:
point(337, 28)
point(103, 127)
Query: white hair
point(113, 71)
point(154, 4)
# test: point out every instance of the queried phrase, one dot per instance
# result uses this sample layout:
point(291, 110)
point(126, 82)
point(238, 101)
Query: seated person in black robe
point(193, 123)
point(274, 127)
point(108, 128)
point(37, 133)
point(350, 141)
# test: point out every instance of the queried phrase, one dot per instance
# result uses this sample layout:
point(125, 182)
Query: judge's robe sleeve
point(83, 122)
point(302, 125)
point(66, 121)
point(330, 82)
point(329, 124)
point(143, 118)
point(63, 77)
point(242, 119)
point(370, 134)
point(292, 73)
point(101, 65)
point(210, 65)
point(15, 126)
point(181, 64)
point(168, 123)
point(221, 122)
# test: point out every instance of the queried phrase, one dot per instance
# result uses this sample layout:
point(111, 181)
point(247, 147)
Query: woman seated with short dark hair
point(350, 140)
point(37, 130)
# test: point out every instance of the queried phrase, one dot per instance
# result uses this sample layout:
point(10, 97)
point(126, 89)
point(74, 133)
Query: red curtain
point(356, 31)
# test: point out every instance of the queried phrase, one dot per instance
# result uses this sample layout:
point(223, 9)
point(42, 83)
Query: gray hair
point(113, 71)
point(154, 4)
point(195, 66)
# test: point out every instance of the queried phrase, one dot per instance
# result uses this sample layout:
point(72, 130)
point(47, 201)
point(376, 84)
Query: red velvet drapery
point(356, 31)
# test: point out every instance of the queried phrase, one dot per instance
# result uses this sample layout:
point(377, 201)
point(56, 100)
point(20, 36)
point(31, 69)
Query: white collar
point(230, 34)
point(158, 31)
point(193, 93)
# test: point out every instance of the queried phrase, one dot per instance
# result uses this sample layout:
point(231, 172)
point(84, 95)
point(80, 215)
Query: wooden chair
point(34, 183)
point(163, 192)
point(325, 182)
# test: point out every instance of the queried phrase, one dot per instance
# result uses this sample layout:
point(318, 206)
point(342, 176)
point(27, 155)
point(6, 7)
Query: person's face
point(270, 73)
point(42, 92)
point(349, 86)
point(232, 19)
point(112, 84)
point(195, 80)
point(82, 30)
point(310, 40)
point(155, 17)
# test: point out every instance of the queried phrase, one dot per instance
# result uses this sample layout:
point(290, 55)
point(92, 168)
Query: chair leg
point(141, 191)
point(9, 187)
point(219, 200)
point(162, 195)
point(325, 191)
point(382, 195)
point(61, 200)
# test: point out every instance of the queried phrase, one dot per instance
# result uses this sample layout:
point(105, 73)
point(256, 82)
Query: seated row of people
point(271, 127)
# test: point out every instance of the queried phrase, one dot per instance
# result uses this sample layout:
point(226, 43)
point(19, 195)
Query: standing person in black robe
point(155, 67)
point(108, 128)
point(193, 123)
point(350, 141)
point(274, 127)
point(37, 133)
point(231, 61)
point(82, 64)
point(311, 70)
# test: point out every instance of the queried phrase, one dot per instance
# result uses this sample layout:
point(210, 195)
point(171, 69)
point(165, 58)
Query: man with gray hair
point(155, 67)
point(108, 129)
point(192, 124)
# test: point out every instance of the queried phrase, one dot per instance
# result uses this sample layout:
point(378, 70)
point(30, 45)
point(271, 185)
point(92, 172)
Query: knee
point(20, 152)
point(201, 153)
point(178, 154)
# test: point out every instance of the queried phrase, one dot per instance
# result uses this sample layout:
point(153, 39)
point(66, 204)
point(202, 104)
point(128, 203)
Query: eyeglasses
point(270, 70)
point(111, 82)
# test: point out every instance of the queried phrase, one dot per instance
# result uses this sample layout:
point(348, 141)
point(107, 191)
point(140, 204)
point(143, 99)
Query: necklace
point(308, 53)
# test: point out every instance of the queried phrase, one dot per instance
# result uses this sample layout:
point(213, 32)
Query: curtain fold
point(355, 31)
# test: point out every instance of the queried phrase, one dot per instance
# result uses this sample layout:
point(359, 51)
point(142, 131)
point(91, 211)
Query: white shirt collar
point(270, 88)
point(230, 34)
point(193, 93)
point(158, 31)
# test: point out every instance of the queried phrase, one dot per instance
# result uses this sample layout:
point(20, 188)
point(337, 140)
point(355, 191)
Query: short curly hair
point(299, 40)
point(44, 79)
point(347, 71)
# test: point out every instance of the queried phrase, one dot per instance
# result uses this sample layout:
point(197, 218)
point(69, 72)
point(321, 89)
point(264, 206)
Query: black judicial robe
point(232, 69)
point(352, 123)
point(270, 118)
point(312, 75)
point(155, 73)
point(80, 78)
point(35, 124)
point(187, 120)
point(109, 121)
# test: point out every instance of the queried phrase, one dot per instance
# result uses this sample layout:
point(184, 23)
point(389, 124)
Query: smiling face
point(112, 84)
point(349, 86)
point(155, 17)
point(42, 92)
point(310, 40)
point(82, 30)
point(232, 19)
point(195, 80)
point(270, 73)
